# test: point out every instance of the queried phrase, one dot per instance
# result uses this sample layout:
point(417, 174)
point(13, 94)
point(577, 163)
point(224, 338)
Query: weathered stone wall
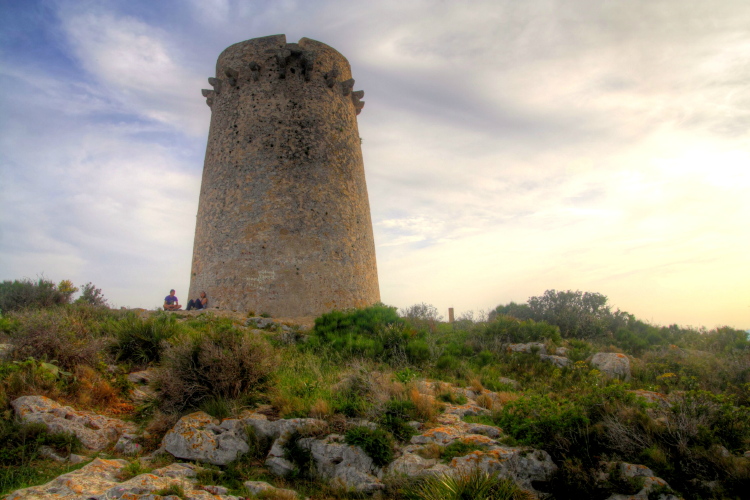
point(283, 222)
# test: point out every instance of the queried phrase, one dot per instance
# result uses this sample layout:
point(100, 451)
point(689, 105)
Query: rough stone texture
point(558, 361)
point(85, 482)
point(612, 363)
point(98, 481)
point(653, 397)
point(198, 436)
point(649, 483)
point(520, 464)
point(261, 487)
point(284, 221)
point(529, 347)
point(128, 445)
point(346, 466)
point(95, 431)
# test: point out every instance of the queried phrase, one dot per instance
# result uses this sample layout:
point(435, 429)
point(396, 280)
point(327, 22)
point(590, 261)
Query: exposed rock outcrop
point(613, 364)
point(96, 432)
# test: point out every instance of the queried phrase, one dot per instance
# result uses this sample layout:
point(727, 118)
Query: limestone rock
point(652, 397)
point(261, 487)
point(558, 361)
point(98, 481)
point(143, 377)
point(198, 436)
point(520, 464)
point(612, 364)
point(128, 445)
point(509, 381)
point(649, 483)
point(529, 347)
point(85, 482)
point(95, 431)
point(344, 465)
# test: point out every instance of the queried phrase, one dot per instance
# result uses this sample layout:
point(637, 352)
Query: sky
point(510, 147)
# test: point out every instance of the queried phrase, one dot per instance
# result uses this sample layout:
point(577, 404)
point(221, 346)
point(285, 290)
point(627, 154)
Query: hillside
point(560, 397)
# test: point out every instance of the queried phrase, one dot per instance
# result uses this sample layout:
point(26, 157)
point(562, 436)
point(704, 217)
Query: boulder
point(200, 437)
point(259, 488)
point(509, 381)
point(519, 464)
point(649, 483)
point(128, 445)
point(95, 431)
point(346, 466)
point(558, 361)
point(529, 347)
point(143, 377)
point(86, 482)
point(281, 431)
point(613, 364)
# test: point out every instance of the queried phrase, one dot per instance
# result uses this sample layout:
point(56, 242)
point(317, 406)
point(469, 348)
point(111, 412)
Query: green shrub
point(377, 444)
point(473, 485)
point(199, 366)
point(19, 443)
point(27, 294)
point(172, 489)
point(507, 329)
point(301, 457)
point(540, 421)
point(422, 317)
point(374, 333)
point(92, 296)
point(395, 418)
point(70, 336)
point(142, 341)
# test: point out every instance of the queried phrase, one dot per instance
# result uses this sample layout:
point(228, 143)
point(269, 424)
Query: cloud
point(138, 65)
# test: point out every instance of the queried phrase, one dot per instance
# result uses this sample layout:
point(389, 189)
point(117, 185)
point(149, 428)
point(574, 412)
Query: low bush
point(475, 484)
point(395, 418)
point(200, 366)
point(22, 294)
point(142, 341)
point(507, 329)
point(70, 336)
point(377, 443)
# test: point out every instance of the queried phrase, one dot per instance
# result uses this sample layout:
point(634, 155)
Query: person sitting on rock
point(199, 303)
point(171, 303)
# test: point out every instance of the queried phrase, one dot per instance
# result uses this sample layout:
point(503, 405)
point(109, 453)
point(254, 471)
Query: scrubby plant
point(92, 295)
point(27, 294)
point(422, 317)
point(377, 444)
point(142, 341)
point(70, 336)
point(474, 484)
point(507, 329)
point(199, 366)
point(395, 417)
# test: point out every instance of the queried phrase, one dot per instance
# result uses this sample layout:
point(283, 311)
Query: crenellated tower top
point(271, 60)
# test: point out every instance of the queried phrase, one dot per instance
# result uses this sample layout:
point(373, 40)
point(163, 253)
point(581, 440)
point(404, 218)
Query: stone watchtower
point(284, 221)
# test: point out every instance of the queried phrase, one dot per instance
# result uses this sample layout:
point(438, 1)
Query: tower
point(283, 222)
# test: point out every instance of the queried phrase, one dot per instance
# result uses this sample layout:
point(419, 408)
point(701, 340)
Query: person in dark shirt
point(171, 303)
point(199, 303)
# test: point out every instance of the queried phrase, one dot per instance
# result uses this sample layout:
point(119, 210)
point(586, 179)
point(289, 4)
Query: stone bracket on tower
point(347, 86)
point(356, 96)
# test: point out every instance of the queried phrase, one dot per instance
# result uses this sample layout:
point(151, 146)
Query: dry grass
point(505, 397)
point(427, 406)
point(475, 384)
point(321, 409)
point(486, 401)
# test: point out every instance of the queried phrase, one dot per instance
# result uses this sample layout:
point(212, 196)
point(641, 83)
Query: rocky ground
point(199, 440)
